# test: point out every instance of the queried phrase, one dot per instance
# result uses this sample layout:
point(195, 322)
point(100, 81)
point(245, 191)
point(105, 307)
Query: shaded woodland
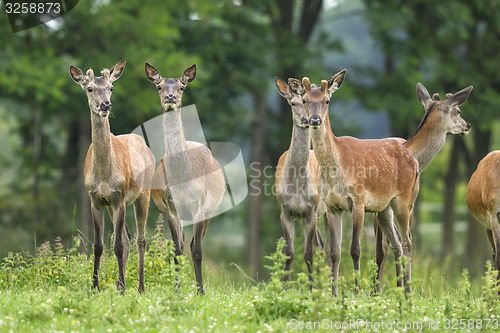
point(239, 47)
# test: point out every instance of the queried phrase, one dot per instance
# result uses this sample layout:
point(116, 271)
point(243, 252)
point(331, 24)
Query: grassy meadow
point(49, 291)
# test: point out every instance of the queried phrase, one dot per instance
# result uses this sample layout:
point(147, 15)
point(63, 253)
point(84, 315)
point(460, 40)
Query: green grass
point(49, 291)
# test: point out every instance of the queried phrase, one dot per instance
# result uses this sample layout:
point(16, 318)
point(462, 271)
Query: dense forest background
point(239, 46)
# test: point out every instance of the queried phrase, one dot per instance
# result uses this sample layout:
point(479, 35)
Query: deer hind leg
point(311, 231)
point(175, 226)
point(318, 239)
point(403, 219)
point(121, 243)
point(127, 231)
point(495, 230)
point(98, 218)
point(358, 216)
point(141, 206)
point(288, 233)
point(389, 233)
point(380, 250)
point(199, 230)
point(381, 246)
point(489, 233)
point(333, 226)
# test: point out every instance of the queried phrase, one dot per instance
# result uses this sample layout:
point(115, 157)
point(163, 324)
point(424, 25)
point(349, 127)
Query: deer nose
point(106, 105)
point(468, 127)
point(170, 98)
point(315, 121)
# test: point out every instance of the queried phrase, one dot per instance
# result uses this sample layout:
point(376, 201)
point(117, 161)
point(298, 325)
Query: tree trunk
point(69, 168)
point(285, 30)
point(477, 247)
point(448, 240)
point(84, 216)
point(256, 191)
point(37, 153)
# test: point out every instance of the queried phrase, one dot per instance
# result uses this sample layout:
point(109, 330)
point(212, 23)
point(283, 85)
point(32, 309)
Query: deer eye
point(111, 88)
point(159, 87)
point(293, 104)
point(303, 101)
point(182, 88)
point(327, 101)
point(89, 89)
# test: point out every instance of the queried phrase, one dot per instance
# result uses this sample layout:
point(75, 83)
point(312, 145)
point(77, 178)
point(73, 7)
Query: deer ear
point(189, 75)
point(459, 98)
point(77, 75)
point(423, 95)
point(152, 74)
point(335, 81)
point(296, 86)
point(117, 70)
point(283, 88)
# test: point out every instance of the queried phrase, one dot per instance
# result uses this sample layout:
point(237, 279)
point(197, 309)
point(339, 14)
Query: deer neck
point(300, 145)
point(426, 142)
point(324, 145)
point(175, 142)
point(102, 151)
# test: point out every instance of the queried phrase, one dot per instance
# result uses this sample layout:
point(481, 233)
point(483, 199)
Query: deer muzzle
point(304, 122)
point(467, 129)
point(315, 121)
point(170, 98)
point(104, 108)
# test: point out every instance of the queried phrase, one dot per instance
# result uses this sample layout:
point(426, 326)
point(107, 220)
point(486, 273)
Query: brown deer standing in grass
point(441, 118)
point(483, 199)
point(118, 172)
point(189, 181)
point(297, 182)
point(357, 176)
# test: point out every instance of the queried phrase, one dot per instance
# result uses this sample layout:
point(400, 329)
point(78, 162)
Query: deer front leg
point(121, 243)
point(318, 239)
point(287, 226)
point(358, 215)
point(333, 226)
point(199, 230)
point(141, 206)
point(98, 218)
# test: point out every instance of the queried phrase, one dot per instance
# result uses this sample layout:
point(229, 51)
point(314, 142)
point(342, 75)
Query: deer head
point(295, 101)
point(98, 88)
point(170, 89)
point(316, 99)
point(447, 111)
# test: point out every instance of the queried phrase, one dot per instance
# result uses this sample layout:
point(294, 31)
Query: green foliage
point(51, 291)
point(53, 265)
point(292, 298)
point(491, 288)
